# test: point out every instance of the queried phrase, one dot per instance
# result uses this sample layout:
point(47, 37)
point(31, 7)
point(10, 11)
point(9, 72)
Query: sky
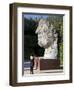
point(33, 16)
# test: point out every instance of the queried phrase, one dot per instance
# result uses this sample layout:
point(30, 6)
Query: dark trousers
point(31, 70)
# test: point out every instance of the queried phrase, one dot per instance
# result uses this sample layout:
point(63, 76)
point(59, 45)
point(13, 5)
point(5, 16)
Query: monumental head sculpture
point(47, 38)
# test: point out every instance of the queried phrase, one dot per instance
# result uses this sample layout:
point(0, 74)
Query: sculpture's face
point(45, 38)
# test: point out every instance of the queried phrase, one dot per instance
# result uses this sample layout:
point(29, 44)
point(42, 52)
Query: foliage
point(30, 39)
point(57, 21)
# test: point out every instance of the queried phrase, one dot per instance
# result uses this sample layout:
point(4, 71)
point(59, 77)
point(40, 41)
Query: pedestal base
point(48, 64)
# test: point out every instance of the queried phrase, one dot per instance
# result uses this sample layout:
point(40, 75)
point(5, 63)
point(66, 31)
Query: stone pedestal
point(48, 64)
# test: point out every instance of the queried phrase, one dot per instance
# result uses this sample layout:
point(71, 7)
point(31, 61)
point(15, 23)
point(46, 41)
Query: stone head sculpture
point(47, 36)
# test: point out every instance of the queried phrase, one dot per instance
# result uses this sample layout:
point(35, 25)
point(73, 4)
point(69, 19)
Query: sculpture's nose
point(37, 30)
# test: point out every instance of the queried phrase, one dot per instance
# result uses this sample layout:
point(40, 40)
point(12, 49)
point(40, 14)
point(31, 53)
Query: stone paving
point(27, 71)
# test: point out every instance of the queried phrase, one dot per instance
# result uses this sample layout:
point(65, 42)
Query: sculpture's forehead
point(43, 21)
point(42, 26)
